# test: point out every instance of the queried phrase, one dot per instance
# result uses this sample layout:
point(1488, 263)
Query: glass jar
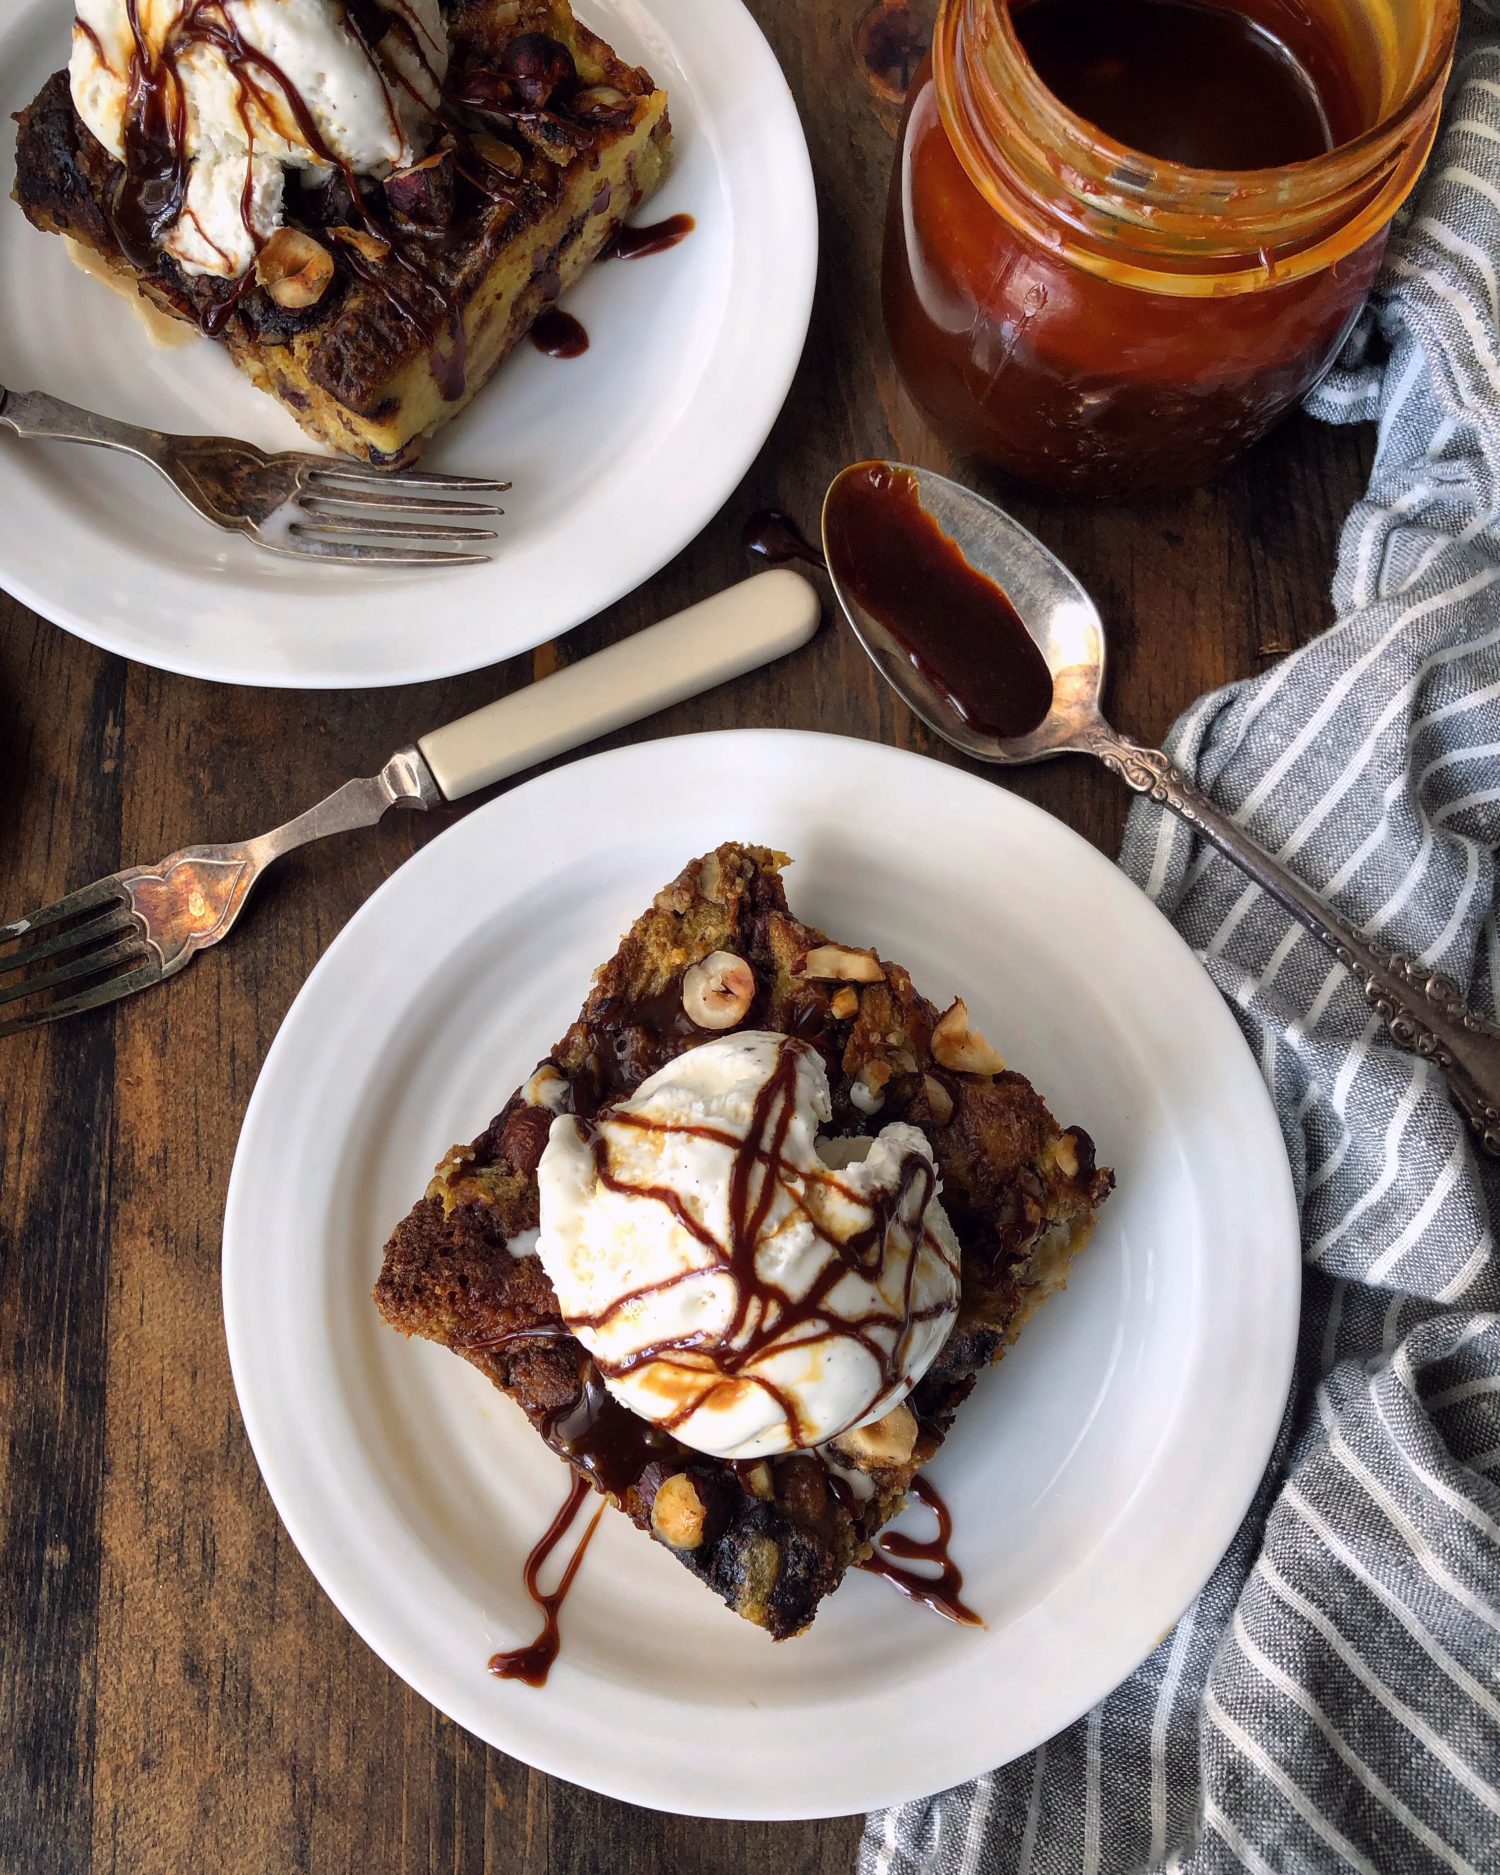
point(1100, 322)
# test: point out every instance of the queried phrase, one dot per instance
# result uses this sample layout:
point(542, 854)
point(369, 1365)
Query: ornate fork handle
point(1422, 1010)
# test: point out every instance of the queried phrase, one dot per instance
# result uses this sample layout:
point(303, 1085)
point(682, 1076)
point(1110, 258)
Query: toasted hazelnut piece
point(596, 95)
point(602, 104)
point(371, 246)
point(504, 158)
point(711, 880)
point(955, 1045)
point(833, 963)
point(424, 193)
point(537, 65)
point(294, 269)
point(867, 1090)
point(677, 1511)
point(1065, 1155)
point(845, 1004)
point(483, 90)
point(888, 1441)
point(678, 896)
point(524, 1138)
point(547, 1088)
point(717, 993)
point(758, 1480)
point(938, 1099)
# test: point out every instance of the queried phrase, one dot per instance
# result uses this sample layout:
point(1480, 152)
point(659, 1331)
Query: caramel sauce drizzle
point(717, 1363)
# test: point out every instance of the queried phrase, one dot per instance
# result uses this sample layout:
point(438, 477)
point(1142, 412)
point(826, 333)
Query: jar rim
point(1226, 229)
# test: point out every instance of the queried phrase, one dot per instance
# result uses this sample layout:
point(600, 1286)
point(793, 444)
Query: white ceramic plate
point(619, 458)
point(1095, 1476)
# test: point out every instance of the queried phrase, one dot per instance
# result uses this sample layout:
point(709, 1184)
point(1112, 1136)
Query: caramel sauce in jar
point(1125, 236)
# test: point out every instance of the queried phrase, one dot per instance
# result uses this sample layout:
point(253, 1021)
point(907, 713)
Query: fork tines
point(327, 469)
point(349, 511)
point(82, 951)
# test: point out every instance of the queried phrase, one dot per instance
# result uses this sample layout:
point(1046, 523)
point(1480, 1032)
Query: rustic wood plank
point(175, 1685)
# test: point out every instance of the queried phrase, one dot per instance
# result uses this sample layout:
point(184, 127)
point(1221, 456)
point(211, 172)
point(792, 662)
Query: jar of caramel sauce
point(1125, 236)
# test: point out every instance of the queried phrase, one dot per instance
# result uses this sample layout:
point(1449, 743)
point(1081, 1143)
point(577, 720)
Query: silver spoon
point(1423, 1011)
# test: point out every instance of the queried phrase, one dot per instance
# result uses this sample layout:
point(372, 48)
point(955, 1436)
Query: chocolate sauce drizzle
point(629, 243)
point(939, 1591)
point(533, 1662)
point(716, 1364)
point(151, 195)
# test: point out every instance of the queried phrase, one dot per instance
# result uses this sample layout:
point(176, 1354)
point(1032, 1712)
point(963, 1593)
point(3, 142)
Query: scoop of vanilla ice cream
point(241, 131)
point(737, 1281)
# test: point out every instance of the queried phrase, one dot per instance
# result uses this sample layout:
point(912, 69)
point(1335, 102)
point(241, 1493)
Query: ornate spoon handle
point(1422, 1010)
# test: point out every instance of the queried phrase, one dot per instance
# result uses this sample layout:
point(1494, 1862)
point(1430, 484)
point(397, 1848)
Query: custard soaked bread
point(719, 958)
point(370, 276)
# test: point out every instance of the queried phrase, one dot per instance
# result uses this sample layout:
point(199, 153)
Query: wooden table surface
point(175, 1690)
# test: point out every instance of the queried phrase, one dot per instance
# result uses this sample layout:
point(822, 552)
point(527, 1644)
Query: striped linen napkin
point(1332, 1698)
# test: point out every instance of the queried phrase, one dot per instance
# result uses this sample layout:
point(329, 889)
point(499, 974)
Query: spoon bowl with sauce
point(999, 649)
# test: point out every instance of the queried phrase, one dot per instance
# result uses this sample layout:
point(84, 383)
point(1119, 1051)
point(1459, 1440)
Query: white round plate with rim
point(618, 458)
point(1095, 1476)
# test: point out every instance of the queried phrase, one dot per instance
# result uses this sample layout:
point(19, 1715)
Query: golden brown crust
point(1021, 1194)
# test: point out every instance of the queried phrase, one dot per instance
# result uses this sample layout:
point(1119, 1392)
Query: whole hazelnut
point(538, 66)
point(717, 993)
point(294, 269)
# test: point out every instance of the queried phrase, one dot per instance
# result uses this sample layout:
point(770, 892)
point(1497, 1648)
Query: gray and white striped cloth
point(1332, 1698)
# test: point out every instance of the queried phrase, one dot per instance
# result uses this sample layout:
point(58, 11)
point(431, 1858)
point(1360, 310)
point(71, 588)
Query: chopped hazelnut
point(758, 1480)
point(370, 246)
point(677, 1512)
point(834, 963)
point(294, 269)
point(547, 1088)
point(939, 1100)
point(602, 104)
point(424, 193)
point(717, 993)
point(867, 1089)
point(1065, 1155)
point(504, 158)
point(845, 1004)
point(962, 1049)
point(890, 1440)
point(524, 1139)
point(711, 880)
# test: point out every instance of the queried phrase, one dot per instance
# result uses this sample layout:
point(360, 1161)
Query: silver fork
point(144, 924)
point(314, 507)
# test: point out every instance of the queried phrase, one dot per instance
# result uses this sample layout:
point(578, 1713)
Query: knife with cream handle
point(138, 926)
